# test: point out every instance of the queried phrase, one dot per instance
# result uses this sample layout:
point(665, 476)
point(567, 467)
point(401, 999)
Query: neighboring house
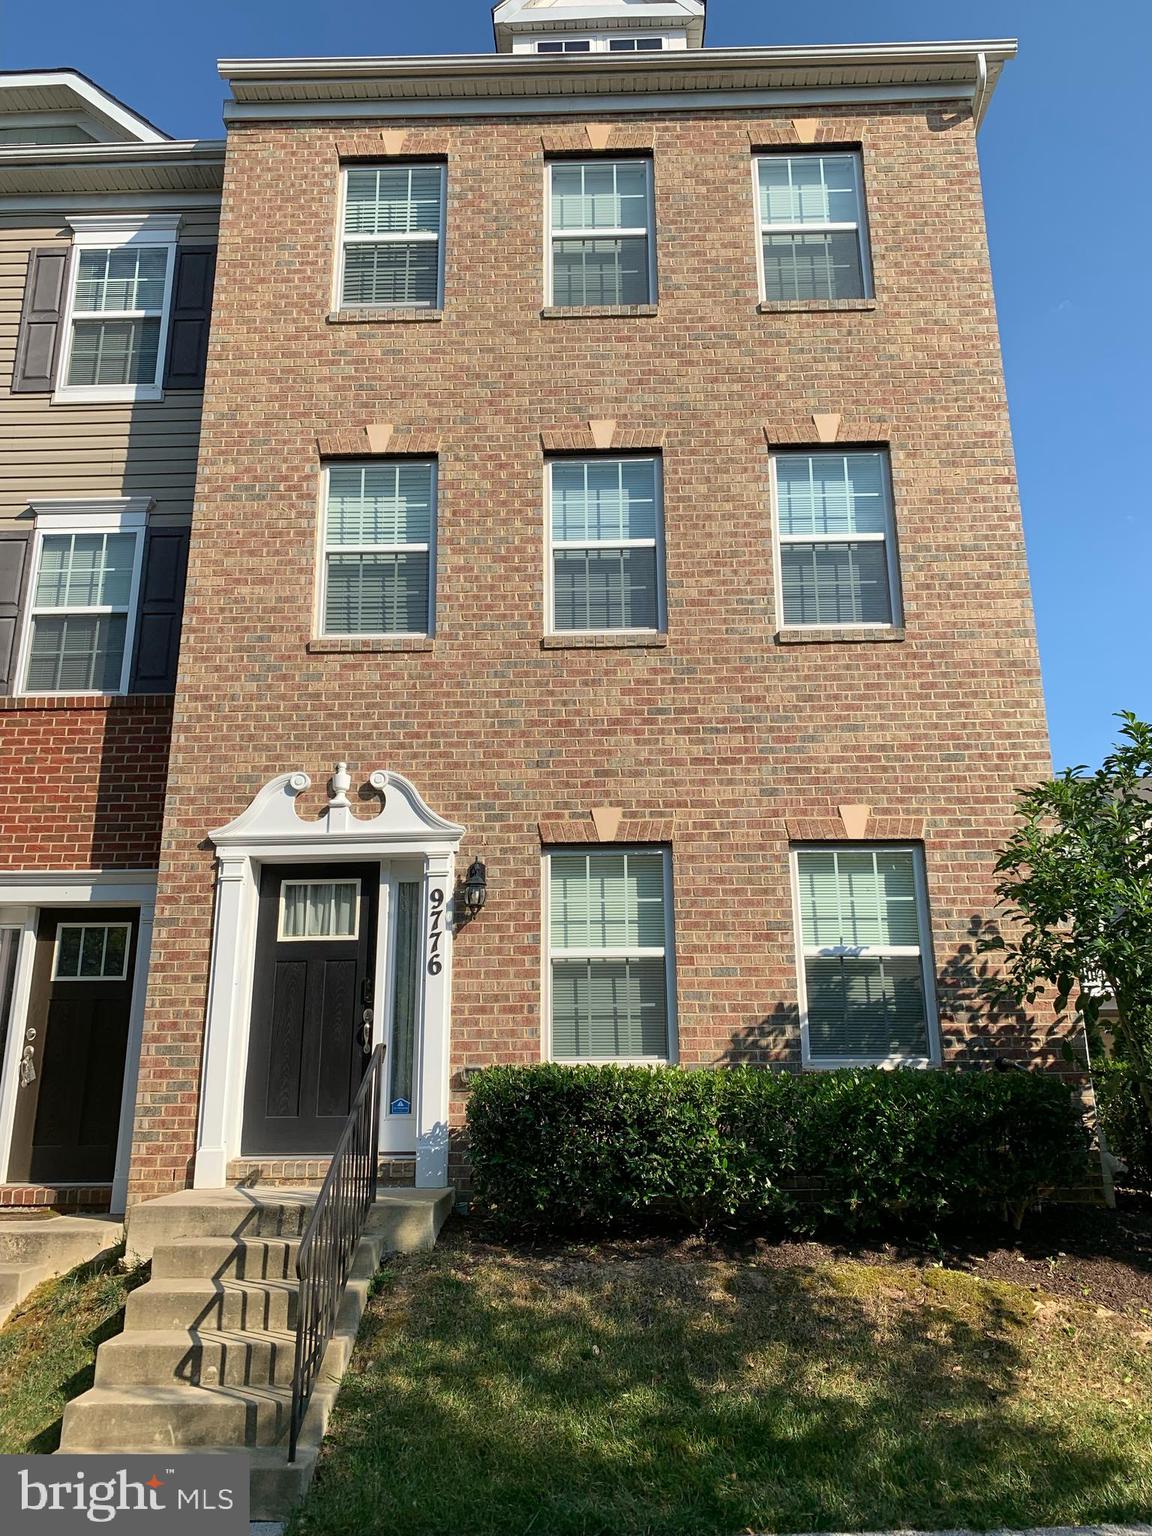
point(605, 456)
point(107, 244)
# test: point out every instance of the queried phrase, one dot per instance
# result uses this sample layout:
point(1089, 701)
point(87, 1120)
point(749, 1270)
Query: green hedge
point(584, 1149)
point(1124, 1119)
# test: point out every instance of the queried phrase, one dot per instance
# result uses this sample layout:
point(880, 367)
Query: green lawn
point(497, 1393)
point(47, 1350)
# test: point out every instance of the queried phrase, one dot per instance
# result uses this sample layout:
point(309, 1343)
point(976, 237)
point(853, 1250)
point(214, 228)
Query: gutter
point(182, 151)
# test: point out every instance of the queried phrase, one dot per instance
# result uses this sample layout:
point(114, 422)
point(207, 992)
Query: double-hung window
point(837, 552)
point(600, 233)
point(610, 949)
point(120, 289)
point(379, 539)
point(606, 562)
point(813, 238)
point(82, 613)
point(392, 242)
point(865, 961)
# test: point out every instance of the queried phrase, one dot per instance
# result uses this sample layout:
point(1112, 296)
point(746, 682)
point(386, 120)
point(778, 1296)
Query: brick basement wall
point(82, 781)
point(722, 732)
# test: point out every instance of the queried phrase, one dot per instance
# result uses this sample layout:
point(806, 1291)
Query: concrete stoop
point(205, 1359)
point(41, 1247)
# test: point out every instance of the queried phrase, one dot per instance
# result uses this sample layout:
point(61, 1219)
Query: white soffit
point(66, 91)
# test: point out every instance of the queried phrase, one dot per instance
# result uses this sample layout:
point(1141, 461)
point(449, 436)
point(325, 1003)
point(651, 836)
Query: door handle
point(27, 1067)
point(366, 1031)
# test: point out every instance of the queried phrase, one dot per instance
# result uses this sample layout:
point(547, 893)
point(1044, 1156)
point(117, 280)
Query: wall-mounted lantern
point(475, 890)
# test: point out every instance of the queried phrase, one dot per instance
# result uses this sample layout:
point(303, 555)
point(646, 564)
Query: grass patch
point(48, 1350)
point(496, 1393)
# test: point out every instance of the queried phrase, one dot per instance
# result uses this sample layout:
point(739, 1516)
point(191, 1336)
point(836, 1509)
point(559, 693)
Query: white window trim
point(318, 938)
point(377, 549)
point(121, 515)
point(925, 952)
point(551, 545)
point(393, 237)
point(115, 232)
point(668, 954)
point(860, 226)
point(83, 927)
point(888, 538)
point(599, 41)
point(615, 233)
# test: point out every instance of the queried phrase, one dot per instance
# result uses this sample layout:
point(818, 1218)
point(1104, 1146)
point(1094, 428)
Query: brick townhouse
point(607, 633)
point(107, 237)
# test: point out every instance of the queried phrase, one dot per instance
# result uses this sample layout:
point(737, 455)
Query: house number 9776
point(435, 931)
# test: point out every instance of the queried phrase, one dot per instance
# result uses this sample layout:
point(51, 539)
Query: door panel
point(74, 1045)
point(315, 953)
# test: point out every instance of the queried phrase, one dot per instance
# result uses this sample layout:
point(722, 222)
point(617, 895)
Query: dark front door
point(311, 1033)
point(73, 1047)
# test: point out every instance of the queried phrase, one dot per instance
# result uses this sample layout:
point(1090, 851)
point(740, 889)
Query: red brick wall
point(724, 729)
point(82, 781)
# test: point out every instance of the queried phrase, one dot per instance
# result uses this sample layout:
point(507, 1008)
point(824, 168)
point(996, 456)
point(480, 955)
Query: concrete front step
point(237, 1304)
point(35, 1250)
point(108, 1418)
point(200, 1357)
point(276, 1485)
point(260, 1258)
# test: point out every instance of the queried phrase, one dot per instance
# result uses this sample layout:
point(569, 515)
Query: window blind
point(378, 548)
point(392, 232)
point(811, 226)
point(833, 517)
point(605, 529)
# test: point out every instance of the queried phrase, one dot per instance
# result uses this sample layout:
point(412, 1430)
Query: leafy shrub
point(583, 1149)
point(1124, 1120)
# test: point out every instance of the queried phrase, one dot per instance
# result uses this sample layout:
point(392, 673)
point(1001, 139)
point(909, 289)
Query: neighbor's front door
point(73, 1046)
point(312, 1005)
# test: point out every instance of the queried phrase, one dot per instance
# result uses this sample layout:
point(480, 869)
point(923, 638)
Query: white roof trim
point(94, 99)
point(402, 819)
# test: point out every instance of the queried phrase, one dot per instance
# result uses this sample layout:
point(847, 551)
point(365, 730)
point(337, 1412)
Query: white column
point(432, 1101)
point(132, 1060)
point(222, 1080)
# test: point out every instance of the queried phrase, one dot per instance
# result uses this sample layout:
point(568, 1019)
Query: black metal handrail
point(331, 1237)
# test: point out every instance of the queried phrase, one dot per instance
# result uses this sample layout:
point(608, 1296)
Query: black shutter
point(38, 344)
point(14, 547)
point(191, 309)
point(160, 610)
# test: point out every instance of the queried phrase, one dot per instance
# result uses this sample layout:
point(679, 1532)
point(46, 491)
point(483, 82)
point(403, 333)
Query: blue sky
point(1064, 151)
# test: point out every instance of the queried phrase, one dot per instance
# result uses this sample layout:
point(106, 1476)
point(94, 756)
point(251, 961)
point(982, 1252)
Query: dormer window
point(635, 44)
point(564, 45)
point(653, 43)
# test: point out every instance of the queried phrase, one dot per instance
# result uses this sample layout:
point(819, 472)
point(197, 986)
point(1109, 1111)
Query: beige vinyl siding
point(47, 450)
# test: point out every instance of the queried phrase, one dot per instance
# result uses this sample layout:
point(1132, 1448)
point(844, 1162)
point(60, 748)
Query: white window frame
point(924, 952)
point(618, 232)
point(84, 927)
point(667, 954)
point(377, 549)
point(108, 233)
point(317, 938)
point(888, 538)
point(600, 42)
point(392, 237)
point(859, 226)
point(551, 545)
point(126, 516)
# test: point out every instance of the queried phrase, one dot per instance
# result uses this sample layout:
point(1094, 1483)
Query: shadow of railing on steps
point(332, 1236)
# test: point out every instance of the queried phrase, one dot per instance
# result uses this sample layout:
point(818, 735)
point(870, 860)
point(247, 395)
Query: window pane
point(380, 503)
point(85, 570)
point(128, 278)
point(92, 952)
point(76, 654)
point(635, 44)
point(835, 584)
point(603, 499)
point(393, 199)
point(397, 273)
point(600, 195)
point(813, 266)
point(605, 589)
point(858, 896)
point(865, 1008)
point(808, 189)
point(115, 951)
point(405, 996)
point(599, 272)
point(609, 1008)
point(68, 950)
point(607, 900)
point(114, 352)
point(376, 594)
point(831, 493)
point(318, 909)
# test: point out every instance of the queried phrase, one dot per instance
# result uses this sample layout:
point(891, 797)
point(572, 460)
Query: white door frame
point(22, 895)
point(270, 831)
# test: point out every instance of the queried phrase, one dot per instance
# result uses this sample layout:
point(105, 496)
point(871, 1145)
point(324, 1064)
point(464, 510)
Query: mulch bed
point(1086, 1253)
